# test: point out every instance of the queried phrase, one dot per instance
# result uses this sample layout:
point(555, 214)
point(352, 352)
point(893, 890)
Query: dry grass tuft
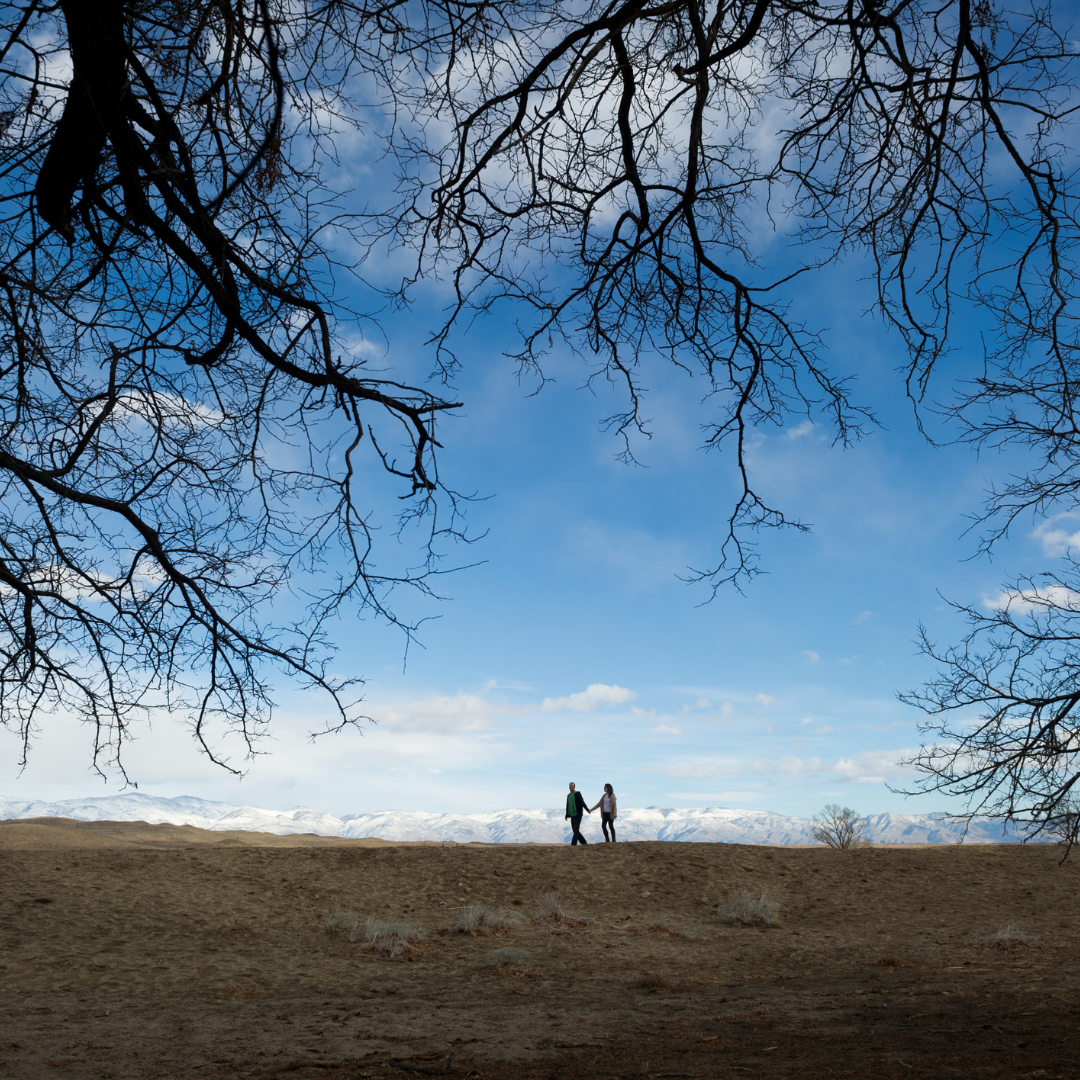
point(513, 962)
point(889, 961)
point(750, 909)
point(508, 957)
point(1010, 937)
point(343, 920)
point(476, 919)
point(387, 937)
point(652, 981)
point(549, 908)
point(392, 937)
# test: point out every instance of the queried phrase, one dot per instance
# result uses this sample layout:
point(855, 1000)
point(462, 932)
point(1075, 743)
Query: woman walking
point(608, 812)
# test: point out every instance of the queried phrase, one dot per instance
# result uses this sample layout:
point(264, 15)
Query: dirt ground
point(138, 951)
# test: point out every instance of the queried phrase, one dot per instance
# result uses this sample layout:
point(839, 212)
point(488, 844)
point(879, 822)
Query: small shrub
point(343, 920)
point(508, 958)
point(549, 908)
point(888, 961)
point(388, 937)
point(475, 919)
point(392, 937)
point(1010, 936)
point(838, 826)
point(750, 909)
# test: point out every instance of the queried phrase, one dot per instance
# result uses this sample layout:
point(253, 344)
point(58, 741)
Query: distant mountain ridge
point(710, 824)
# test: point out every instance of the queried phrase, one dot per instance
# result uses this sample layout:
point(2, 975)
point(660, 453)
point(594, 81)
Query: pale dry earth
point(154, 951)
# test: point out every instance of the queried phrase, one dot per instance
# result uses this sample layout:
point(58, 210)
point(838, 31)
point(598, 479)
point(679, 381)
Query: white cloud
point(703, 770)
point(715, 797)
point(799, 430)
point(589, 699)
point(766, 700)
point(823, 730)
point(670, 730)
point(874, 766)
point(865, 767)
point(1026, 601)
point(791, 766)
point(160, 407)
point(442, 713)
point(864, 615)
point(812, 656)
point(1055, 540)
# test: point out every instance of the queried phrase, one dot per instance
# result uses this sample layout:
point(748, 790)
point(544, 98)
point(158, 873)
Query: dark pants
point(605, 824)
point(575, 825)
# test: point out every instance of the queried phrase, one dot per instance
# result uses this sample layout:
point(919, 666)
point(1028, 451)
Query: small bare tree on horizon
point(838, 826)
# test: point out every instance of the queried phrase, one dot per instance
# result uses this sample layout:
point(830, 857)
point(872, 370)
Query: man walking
point(575, 807)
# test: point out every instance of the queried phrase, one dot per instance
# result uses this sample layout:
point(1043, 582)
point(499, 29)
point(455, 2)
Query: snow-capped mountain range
point(712, 824)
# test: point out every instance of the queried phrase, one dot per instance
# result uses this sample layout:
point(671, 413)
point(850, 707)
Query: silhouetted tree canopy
point(184, 424)
point(185, 428)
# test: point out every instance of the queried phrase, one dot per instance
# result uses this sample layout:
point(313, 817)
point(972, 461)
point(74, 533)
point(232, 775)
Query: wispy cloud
point(813, 657)
point(1055, 537)
point(1026, 601)
point(443, 713)
point(874, 766)
point(865, 767)
point(641, 559)
point(588, 700)
point(800, 430)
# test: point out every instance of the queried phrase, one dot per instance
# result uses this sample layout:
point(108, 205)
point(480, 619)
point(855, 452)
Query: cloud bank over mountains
point(512, 826)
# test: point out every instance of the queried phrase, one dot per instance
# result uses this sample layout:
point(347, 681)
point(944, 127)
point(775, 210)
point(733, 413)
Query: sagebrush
point(747, 908)
point(477, 919)
point(386, 936)
point(509, 957)
point(1011, 936)
point(549, 908)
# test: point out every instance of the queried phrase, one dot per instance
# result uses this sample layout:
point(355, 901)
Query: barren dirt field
point(139, 951)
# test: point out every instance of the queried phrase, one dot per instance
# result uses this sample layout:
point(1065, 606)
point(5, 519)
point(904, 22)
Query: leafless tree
point(1066, 827)
point(663, 177)
point(838, 826)
point(1004, 729)
point(187, 430)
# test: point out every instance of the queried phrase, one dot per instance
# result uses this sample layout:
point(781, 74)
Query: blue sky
point(574, 650)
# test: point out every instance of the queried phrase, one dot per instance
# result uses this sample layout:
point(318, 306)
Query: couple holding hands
point(575, 807)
